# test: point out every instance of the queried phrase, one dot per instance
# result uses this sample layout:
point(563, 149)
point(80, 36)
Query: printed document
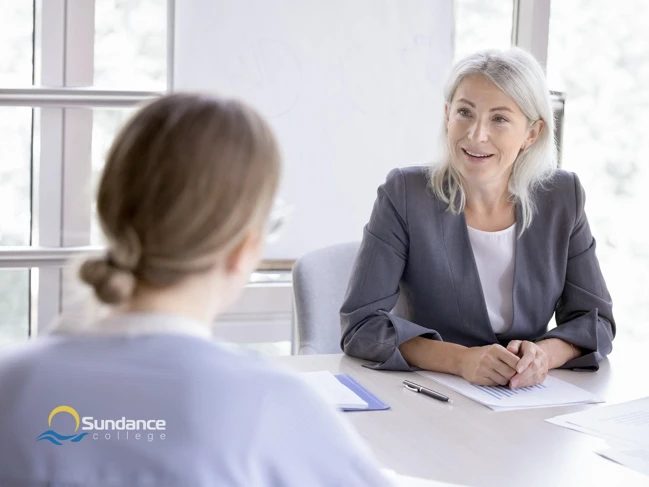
point(627, 422)
point(552, 392)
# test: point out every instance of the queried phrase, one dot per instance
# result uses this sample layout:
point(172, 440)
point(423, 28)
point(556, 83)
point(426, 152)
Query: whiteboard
point(352, 88)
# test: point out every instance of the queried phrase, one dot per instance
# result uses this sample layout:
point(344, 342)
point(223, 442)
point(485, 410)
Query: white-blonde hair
point(517, 74)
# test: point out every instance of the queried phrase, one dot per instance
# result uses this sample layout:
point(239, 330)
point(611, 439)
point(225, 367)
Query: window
point(15, 175)
point(14, 305)
point(131, 44)
point(598, 54)
point(16, 34)
point(481, 25)
point(16, 127)
point(15, 224)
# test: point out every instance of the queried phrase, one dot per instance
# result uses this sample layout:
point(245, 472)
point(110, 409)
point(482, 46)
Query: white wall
point(353, 88)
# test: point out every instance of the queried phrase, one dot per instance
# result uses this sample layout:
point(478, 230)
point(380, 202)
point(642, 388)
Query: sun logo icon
point(54, 437)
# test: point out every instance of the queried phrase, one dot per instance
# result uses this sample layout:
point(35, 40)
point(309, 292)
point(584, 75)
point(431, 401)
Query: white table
point(467, 443)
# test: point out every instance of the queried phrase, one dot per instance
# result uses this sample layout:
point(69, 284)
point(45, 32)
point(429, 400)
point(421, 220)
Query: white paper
point(634, 458)
point(326, 384)
point(399, 480)
point(628, 422)
point(561, 422)
point(552, 392)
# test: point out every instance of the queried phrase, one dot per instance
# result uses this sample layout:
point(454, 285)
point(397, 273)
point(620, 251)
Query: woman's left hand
point(532, 368)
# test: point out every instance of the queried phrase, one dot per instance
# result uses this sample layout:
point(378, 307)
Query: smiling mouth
point(477, 155)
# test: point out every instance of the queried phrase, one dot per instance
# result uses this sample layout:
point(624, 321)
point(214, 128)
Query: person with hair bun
point(483, 246)
point(144, 397)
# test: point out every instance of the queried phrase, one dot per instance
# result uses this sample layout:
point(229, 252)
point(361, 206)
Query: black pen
point(425, 391)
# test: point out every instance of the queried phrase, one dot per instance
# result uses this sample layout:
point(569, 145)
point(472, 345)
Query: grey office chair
point(320, 281)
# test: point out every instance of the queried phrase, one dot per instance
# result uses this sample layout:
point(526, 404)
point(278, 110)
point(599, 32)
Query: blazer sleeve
point(369, 329)
point(584, 312)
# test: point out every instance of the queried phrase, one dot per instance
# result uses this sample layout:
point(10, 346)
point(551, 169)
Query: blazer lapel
point(522, 292)
point(472, 309)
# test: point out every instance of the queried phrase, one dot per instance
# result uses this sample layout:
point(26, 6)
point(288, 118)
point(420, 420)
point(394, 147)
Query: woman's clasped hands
point(520, 364)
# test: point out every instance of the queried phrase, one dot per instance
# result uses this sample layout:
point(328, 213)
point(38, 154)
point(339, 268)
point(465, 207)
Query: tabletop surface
point(467, 443)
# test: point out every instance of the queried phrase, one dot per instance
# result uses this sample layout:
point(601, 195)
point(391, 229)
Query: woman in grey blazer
point(484, 247)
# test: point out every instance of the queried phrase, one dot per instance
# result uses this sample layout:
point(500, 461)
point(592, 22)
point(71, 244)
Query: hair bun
point(112, 285)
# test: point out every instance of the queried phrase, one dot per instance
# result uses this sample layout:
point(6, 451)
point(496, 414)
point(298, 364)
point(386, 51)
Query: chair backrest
point(320, 280)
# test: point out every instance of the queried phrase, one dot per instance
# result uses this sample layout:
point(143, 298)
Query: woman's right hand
point(490, 365)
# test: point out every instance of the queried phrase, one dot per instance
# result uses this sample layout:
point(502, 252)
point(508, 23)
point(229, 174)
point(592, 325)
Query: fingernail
point(513, 383)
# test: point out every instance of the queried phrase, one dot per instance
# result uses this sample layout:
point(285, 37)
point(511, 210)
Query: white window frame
point(531, 27)
point(67, 57)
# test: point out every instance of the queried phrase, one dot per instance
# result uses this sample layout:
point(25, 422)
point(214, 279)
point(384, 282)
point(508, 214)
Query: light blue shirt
point(176, 409)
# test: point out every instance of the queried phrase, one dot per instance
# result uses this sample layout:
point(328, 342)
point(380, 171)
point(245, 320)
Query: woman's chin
point(477, 170)
point(481, 174)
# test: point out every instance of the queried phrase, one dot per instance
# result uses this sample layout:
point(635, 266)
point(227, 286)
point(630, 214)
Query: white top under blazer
point(494, 256)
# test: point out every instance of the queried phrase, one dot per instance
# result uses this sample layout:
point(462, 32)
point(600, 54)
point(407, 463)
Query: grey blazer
point(415, 250)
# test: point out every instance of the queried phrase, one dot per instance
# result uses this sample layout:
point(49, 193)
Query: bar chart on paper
point(552, 392)
point(500, 392)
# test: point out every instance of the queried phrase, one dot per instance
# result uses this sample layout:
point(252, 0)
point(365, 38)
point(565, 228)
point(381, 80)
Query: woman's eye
point(500, 119)
point(463, 112)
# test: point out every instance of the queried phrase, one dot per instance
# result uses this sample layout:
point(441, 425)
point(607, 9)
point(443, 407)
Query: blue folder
point(373, 402)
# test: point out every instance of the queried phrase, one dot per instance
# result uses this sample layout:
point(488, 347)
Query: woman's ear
point(447, 110)
point(245, 255)
point(535, 130)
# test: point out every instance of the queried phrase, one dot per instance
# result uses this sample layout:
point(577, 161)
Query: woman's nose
point(478, 131)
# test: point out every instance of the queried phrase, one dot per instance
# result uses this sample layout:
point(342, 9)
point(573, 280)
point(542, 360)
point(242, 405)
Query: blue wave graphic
point(56, 435)
point(55, 438)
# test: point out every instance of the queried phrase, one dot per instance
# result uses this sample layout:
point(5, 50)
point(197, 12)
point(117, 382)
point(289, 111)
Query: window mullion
point(48, 183)
point(77, 146)
point(64, 193)
point(531, 27)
